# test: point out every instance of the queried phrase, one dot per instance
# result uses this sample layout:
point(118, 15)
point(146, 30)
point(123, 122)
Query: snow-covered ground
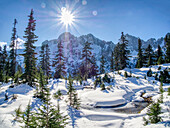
point(98, 108)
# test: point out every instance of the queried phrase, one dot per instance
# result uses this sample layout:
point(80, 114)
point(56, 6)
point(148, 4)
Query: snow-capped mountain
point(73, 47)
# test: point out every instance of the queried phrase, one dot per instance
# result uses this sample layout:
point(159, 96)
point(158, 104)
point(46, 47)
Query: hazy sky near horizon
point(105, 19)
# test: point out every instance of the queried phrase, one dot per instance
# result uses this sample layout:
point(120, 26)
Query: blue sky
point(105, 19)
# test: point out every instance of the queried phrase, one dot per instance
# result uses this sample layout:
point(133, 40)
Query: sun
point(67, 18)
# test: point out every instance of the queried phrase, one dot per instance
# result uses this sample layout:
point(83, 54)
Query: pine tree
point(112, 62)
point(94, 68)
point(167, 40)
point(7, 71)
point(4, 58)
point(59, 62)
point(42, 58)
point(29, 55)
point(117, 56)
point(1, 66)
point(73, 99)
point(148, 55)
point(41, 88)
point(153, 113)
point(45, 60)
point(86, 60)
point(27, 117)
point(140, 56)
point(123, 52)
point(50, 117)
point(102, 65)
point(12, 55)
point(159, 55)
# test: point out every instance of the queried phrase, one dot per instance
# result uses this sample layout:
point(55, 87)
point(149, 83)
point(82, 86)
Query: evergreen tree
point(4, 58)
point(148, 55)
point(7, 71)
point(27, 117)
point(50, 117)
point(123, 52)
point(112, 62)
point(29, 55)
point(73, 99)
point(94, 68)
point(117, 56)
point(59, 62)
point(167, 40)
point(42, 58)
point(1, 65)
point(140, 55)
point(41, 88)
point(86, 60)
point(102, 65)
point(159, 55)
point(45, 60)
point(12, 55)
point(153, 113)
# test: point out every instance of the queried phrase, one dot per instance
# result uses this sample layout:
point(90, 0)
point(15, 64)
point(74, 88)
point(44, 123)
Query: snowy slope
point(117, 104)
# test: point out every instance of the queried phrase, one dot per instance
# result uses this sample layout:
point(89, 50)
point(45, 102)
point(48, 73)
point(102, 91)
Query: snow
point(98, 108)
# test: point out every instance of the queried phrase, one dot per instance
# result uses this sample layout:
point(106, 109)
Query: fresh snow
point(98, 108)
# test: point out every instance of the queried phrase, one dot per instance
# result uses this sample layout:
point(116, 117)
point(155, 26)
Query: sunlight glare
point(67, 17)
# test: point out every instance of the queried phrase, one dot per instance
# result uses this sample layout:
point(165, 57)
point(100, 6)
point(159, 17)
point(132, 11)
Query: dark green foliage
point(94, 68)
point(145, 77)
point(102, 86)
point(149, 73)
point(45, 60)
point(106, 78)
point(29, 55)
point(41, 88)
point(167, 40)
point(12, 55)
point(148, 55)
point(159, 55)
point(153, 113)
point(102, 65)
point(50, 117)
point(117, 56)
point(112, 62)
point(85, 67)
point(169, 91)
point(159, 68)
point(97, 82)
point(59, 62)
point(164, 76)
point(161, 88)
point(121, 53)
point(140, 55)
point(145, 121)
point(156, 76)
point(58, 95)
point(125, 74)
point(27, 117)
point(17, 77)
point(7, 71)
point(73, 99)
point(161, 99)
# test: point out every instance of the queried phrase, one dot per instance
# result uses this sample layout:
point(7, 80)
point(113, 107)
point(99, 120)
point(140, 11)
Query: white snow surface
point(123, 91)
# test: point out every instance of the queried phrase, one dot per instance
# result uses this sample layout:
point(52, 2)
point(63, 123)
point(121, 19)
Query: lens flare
point(66, 17)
